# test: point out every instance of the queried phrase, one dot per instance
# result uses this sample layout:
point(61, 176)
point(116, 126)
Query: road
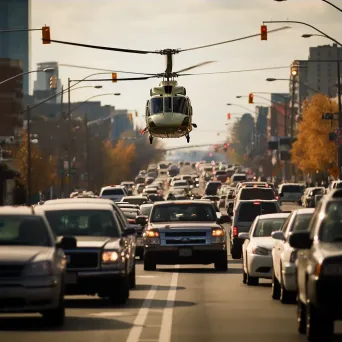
point(173, 304)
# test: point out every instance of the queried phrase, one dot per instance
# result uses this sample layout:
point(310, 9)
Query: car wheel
point(221, 264)
point(55, 317)
point(252, 281)
point(149, 263)
point(244, 274)
point(120, 290)
point(318, 326)
point(301, 317)
point(275, 287)
point(132, 278)
point(286, 297)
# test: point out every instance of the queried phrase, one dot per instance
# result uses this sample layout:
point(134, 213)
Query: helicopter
point(168, 111)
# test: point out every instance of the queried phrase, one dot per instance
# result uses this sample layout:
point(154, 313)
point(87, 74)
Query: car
point(284, 280)
point(212, 188)
point(185, 232)
point(310, 198)
point(290, 192)
point(32, 266)
point(254, 193)
point(113, 192)
point(129, 187)
point(257, 247)
point(319, 264)
point(243, 217)
point(100, 256)
point(139, 200)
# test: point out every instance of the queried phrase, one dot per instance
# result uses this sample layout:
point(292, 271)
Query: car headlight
point(260, 251)
point(39, 268)
point(109, 257)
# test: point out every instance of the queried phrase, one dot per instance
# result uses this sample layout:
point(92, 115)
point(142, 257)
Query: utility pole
point(69, 139)
point(60, 149)
point(339, 153)
point(286, 126)
point(294, 73)
point(29, 192)
point(87, 150)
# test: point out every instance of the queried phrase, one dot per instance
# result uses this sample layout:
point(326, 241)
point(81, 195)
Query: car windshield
point(155, 198)
point(110, 192)
point(318, 191)
point(265, 227)
point(183, 212)
point(256, 193)
point(20, 230)
point(239, 178)
point(181, 183)
point(83, 222)
point(301, 222)
point(249, 211)
point(130, 214)
point(146, 210)
point(291, 188)
point(135, 200)
point(213, 186)
point(331, 227)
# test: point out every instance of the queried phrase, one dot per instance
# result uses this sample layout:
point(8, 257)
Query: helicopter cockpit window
point(168, 104)
point(156, 105)
point(180, 105)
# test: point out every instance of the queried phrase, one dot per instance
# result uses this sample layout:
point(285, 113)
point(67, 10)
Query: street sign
point(330, 116)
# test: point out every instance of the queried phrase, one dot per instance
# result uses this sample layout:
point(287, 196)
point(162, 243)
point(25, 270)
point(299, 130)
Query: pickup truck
point(185, 232)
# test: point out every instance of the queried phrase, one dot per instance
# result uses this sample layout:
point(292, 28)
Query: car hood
point(267, 242)
point(24, 254)
point(97, 242)
point(184, 225)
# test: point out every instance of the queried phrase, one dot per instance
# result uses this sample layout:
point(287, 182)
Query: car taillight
point(235, 231)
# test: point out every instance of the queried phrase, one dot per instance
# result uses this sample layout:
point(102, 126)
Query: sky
point(154, 25)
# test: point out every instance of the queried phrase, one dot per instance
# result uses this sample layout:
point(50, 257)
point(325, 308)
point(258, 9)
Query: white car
point(257, 247)
point(113, 192)
point(284, 279)
point(290, 192)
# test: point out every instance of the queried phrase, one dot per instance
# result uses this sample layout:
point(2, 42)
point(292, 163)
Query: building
point(261, 129)
point(121, 124)
point(322, 69)
point(41, 89)
point(278, 115)
point(11, 98)
point(15, 14)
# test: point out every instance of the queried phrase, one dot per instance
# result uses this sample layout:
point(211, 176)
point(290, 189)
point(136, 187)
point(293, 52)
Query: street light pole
point(292, 114)
point(69, 139)
point(29, 192)
point(87, 149)
point(339, 159)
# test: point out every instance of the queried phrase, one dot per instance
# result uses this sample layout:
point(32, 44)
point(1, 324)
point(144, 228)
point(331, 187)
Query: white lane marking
point(166, 325)
point(146, 276)
point(139, 321)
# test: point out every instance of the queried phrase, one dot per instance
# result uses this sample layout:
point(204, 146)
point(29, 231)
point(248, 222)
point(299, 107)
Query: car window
point(21, 230)
point(291, 188)
point(183, 212)
point(266, 227)
point(83, 222)
point(286, 223)
point(331, 226)
point(256, 193)
point(110, 192)
point(130, 213)
point(249, 211)
point(301, 223)
point(135, 200)
point(146, 210)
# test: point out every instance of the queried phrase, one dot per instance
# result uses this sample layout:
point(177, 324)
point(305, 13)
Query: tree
point(43, 168)
point(313, 151)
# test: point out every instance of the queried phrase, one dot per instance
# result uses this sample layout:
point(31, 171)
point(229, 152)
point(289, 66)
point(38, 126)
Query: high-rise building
point(120, 124)
point(301, 89)
point(261, 129)
point(279, 115)
point(41, 89)
point(15, 14)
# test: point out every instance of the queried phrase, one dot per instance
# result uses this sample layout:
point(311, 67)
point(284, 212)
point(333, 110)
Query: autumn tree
point(313, 151)
point(43, 168)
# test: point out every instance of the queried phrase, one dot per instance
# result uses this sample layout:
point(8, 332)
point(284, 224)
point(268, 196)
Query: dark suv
point(319, 270)
point(244, 215)
point(212, 188)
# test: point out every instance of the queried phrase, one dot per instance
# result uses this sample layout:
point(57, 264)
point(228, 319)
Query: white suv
point(113, 192)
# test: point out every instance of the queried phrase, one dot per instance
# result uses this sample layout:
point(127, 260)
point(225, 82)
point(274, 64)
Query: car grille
point(11, 270)
point(185, 237)
point(185, 234)
point(186, 242)
point(82, 259)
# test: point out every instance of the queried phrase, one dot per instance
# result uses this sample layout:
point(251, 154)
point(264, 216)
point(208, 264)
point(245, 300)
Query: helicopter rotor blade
point(234, 40)
point(141, 52)
point(98, 69)
point(195, 66)
point(118, 79)
point(235, 71)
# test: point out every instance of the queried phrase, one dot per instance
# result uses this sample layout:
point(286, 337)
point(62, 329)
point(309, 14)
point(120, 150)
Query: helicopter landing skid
point(187, 136)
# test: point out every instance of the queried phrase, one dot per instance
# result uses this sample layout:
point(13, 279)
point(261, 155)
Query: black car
point(319, 270)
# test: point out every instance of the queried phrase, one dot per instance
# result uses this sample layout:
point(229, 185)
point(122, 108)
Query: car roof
point(78, 200)
point(258, 200)
point(20, 210)
point(75, 206)
point(112, 187)
point(304, 211)
point(131, 197)
point(273, 216)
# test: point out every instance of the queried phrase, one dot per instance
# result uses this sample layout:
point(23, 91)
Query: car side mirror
point(224, 219)
point(300, 240)
point(129, 231)
point(243, 236)
point(142, 220)
point(67, 242)
point(278, 235)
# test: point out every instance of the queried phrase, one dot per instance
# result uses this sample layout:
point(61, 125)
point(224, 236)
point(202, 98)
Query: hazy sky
point(154, 25)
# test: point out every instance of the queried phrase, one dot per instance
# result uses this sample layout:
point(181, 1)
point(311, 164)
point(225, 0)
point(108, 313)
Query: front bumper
point(173, 255)
point(30, 296)
point(289, 273)
point(260, 266)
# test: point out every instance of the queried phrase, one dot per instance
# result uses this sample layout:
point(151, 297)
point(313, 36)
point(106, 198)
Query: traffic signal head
point(114, 77)
point(46, 34)
point(53, 82)
point(225, 147)
point(263, 33)
point(294, 69)
point(228, 116)
point(251, 98)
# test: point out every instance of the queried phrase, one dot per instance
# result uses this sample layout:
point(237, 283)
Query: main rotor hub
point(169, 52)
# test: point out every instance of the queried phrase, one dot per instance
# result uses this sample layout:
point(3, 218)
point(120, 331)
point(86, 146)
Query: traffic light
point(215, 148)
point(114, 77)
point(130, 117)
point(263, 34)
point(136, 114)
point(251, 98)
point(294, 69)
point(225, 147)
point(46, 34)
point(228, 116)
point(53, 82)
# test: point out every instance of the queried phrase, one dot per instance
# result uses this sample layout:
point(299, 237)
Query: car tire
point(149, 263)
point(244, 277)
point(301, 317)
point(252, 281)
point(55, 317)
point(275, 287)
point(221, 264)
point(319, 327)
point(120, 290)
point(286, 297)
point(132, 278)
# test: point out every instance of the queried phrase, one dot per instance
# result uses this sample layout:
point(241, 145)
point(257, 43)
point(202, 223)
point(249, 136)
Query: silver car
point(31, 266)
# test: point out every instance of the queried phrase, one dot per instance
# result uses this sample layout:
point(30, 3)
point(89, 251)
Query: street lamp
point(26, 73)
point(326, 1)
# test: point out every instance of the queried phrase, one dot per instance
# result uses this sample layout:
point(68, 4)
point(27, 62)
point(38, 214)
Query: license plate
point(71, 278)
point(140, 242)
point(185, 252)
